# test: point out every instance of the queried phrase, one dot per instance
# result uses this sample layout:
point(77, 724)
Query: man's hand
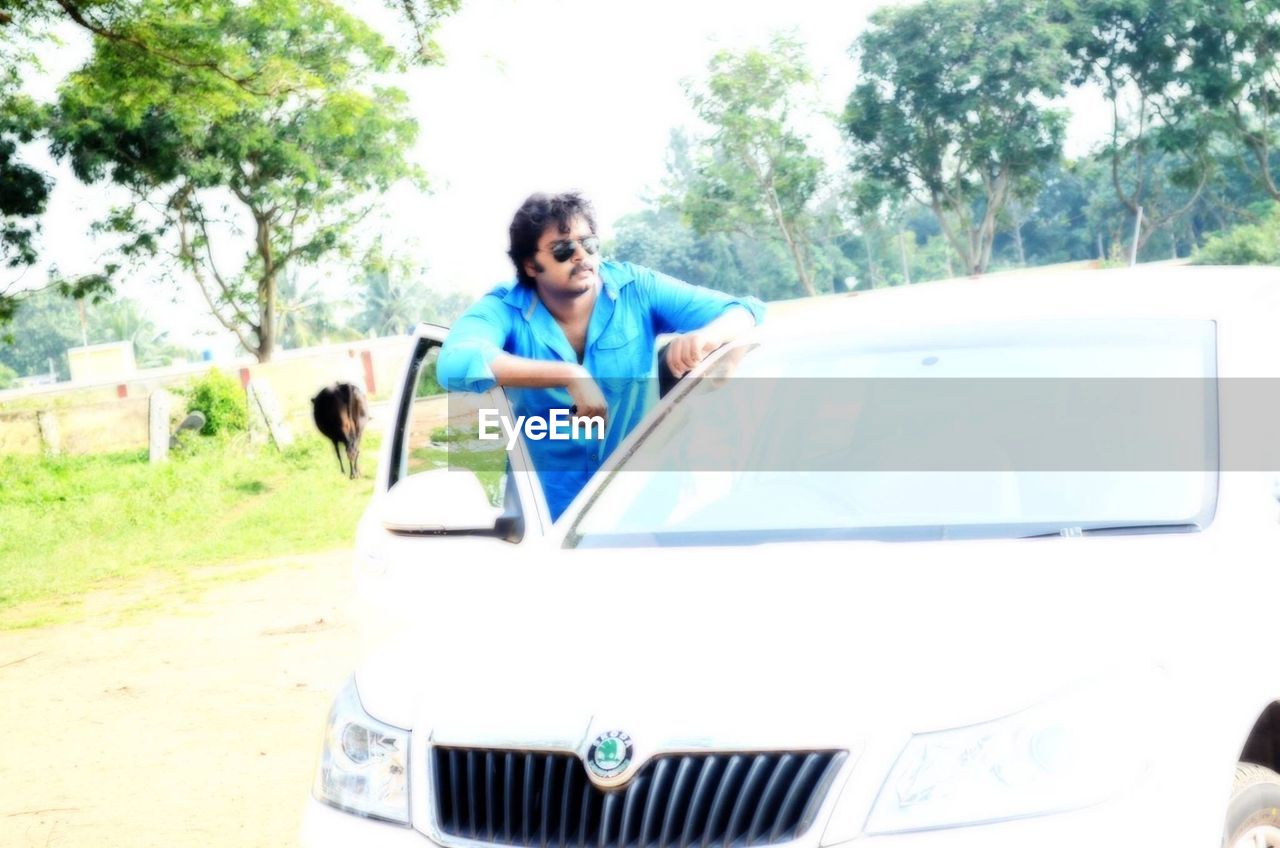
point(588, 400)
point(688, 349)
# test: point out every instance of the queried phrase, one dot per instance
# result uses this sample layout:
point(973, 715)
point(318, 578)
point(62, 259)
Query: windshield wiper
point(1115, 530)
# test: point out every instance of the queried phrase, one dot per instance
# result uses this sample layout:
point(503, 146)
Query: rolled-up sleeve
point(679, 307)
point(478, 336)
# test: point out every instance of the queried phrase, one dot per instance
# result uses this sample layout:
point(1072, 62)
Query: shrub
point(8, 377)
point(1250, 244)
point(221, 400)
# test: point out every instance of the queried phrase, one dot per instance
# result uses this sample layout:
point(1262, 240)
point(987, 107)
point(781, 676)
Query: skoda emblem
point(610, 754)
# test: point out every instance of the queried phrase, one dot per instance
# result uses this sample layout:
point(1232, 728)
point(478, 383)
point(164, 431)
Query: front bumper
point(324, 826)
point(1115, 823)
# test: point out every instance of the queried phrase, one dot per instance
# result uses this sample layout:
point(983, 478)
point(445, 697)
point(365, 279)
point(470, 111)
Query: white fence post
point(265, 420)
point(50, 438)
point(158, 407)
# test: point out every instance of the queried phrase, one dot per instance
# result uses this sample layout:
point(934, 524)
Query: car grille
point(544, 799)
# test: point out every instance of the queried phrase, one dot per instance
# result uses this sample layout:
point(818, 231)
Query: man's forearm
point(517, 371)
point(732, 323)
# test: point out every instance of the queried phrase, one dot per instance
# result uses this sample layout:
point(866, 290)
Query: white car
point(978, 563)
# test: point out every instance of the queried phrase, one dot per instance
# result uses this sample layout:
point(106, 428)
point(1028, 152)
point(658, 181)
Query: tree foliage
point(1248, 244)
point(394, 298)
point(753, 174)
point(422, 18)
point(221, 399)
point(47, 323)
point(307, 316)
point(124, 320)
point(234, 186)
point(24, 191)
point(1233, 70)
point(951, 111)
point(1159, 142)
point(120, 21)
point(663, 236)
point(157, 42)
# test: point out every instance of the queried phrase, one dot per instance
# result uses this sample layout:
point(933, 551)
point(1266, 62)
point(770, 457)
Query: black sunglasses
point(562, 251)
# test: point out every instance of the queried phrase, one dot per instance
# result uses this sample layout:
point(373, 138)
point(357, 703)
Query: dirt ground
point(185, 721)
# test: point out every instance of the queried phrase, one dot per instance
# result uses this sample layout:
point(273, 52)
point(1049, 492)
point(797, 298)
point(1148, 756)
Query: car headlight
point(1074, 751)
point(364, 764)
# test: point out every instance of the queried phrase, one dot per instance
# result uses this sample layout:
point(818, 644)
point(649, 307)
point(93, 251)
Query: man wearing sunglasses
point(575, 331)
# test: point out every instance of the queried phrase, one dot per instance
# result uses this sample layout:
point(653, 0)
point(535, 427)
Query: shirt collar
point(522, 297)
point(615, 275)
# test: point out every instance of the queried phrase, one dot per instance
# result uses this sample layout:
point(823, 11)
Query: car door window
point(437, 452)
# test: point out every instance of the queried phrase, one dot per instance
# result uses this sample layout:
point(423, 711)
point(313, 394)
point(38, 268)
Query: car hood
point(795, 644)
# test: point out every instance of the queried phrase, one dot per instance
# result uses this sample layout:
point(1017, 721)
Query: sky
point(534, 95)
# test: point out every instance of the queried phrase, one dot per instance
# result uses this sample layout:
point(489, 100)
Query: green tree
point(123, 320)
point(307, 316)
point(443, 307)
point(1055, 228)
point(1159, 140)
point(753, 174)
point(391, 302)
point(24, 191)
point(394, 297)
point(279, 175)
point(43, 326)
point(659, 238)
point(950, 111)
point(159, 41)
point(121, 22)
point(1234, 72)
point(391, 306)
point(1249, 244)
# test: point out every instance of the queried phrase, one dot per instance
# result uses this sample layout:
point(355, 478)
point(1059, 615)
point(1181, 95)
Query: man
point(573, 330)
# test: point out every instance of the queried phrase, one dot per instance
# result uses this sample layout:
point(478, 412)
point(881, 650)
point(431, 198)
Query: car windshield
point(1001, 430)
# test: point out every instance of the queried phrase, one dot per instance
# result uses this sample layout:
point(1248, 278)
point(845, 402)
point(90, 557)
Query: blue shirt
point(634, 306)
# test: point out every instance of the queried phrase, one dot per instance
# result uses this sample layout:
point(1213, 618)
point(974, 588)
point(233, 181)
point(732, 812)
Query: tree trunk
point(266, 320)
point(801, 271)
point(985, 236)
point(775, 207)
point(965, 252)
point(906, 269)
point(266, 291)
point(873, 271)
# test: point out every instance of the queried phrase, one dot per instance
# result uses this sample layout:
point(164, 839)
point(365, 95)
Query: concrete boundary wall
point(112, 416)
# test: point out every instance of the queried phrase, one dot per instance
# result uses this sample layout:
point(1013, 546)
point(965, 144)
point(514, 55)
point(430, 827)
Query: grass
point(70, 525)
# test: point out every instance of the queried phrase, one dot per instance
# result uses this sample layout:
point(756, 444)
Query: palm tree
point(304, 316)
point(391, 306)
point(123, 321)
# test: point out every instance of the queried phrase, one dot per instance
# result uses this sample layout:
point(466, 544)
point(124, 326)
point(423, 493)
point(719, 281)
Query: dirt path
point(194, 724)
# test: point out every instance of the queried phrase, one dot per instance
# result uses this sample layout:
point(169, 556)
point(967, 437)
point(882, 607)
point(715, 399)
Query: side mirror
point(438, 501)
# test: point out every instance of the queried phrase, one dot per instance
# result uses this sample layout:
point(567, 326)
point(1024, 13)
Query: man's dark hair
point(534, 216)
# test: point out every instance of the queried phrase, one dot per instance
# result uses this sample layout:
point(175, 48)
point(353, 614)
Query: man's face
point(572, 277)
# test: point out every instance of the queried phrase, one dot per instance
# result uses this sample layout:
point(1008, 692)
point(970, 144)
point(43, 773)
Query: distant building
point(102, 362)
